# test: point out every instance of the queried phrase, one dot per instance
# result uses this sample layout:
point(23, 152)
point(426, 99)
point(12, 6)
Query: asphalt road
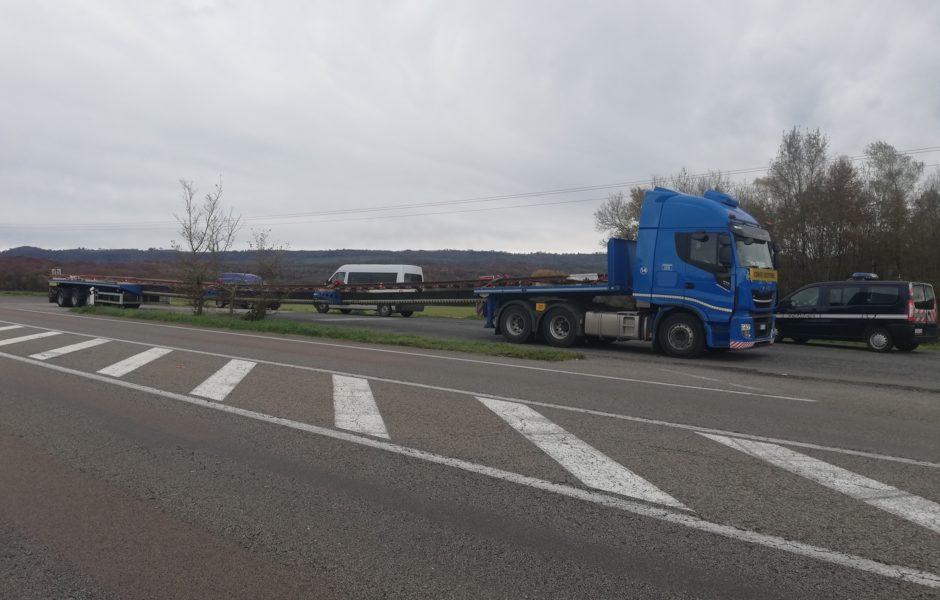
point(149, 461)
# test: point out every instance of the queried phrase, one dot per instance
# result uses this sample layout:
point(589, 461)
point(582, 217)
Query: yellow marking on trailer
point(539, 307)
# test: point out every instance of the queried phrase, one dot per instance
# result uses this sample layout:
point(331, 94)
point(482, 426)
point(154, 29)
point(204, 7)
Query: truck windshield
point(753, 252)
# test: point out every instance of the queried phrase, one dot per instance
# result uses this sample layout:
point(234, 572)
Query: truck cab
point(704, 257)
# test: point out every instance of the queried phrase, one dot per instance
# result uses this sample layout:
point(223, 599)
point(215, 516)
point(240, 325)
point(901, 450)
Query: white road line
point(880, 495)
point(679, 519)
point(223, 381)
point(582, 460)
point(9, 327)
point(133, 363)
point(69, 349)
point(494, 364)
point(27, 338)
point(586, 411)
point(355, 407)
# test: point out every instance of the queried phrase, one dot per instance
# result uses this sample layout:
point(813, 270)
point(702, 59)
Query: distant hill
point(26, 267)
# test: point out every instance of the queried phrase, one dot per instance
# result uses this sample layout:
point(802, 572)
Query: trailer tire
point(681, 335)
point(322, 308)
point(385, 310)
point(516, 324)
point(560, 327)
point(407, 313)
point(78, 298)
point(62, 299)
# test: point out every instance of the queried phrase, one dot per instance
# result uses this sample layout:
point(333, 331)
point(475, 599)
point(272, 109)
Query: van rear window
point(923, 296)
point(883, 294)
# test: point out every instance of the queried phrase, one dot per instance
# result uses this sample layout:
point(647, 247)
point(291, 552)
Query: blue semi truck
point(701, 275)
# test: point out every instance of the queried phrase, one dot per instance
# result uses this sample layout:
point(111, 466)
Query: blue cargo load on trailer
point(701, 274)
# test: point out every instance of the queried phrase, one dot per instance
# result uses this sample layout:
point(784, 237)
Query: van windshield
point(753, 252)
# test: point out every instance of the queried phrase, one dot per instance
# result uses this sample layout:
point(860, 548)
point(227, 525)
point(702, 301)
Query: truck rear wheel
point(385, 310)
point(681, 335)
point(407, 313)
point(322, 308)
point(516, 325)
point(560, 328)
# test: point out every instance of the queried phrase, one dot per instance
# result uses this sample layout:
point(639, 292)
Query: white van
point(375, 275)
point(366, 274)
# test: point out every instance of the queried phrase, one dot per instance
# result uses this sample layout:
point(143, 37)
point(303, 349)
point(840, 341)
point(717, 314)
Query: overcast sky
point(314, 114)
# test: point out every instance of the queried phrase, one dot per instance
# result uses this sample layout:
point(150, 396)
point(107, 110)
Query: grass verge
point(368, 336)
point(22, 293)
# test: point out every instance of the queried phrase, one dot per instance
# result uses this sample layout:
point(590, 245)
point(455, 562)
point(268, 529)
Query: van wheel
point(560, 328)
point(879, 339)
point(516, 325)
point(323, 308)
point(681, 335)
point(907, 347)
point(385, 310)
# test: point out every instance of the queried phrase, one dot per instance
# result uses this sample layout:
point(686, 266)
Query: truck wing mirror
point(724, 256)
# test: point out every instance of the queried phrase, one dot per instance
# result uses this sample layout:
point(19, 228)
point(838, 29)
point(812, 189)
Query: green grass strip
point(337, 333)
point(22, 293)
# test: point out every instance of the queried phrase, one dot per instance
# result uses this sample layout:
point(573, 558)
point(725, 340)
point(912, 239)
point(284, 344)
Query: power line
point(295, 218)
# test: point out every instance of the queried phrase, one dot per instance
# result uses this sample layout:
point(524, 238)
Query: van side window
point(360, 277)
point(807, 298)
point(883, 295)
point(844, 295)
point(412, 277)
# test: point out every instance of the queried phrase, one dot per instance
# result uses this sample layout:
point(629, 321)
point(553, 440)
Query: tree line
point(829, 215)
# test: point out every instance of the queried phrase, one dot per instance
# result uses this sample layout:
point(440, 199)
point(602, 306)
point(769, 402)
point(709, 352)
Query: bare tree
point(269, 261)
point(619, 216)
point(206, 231)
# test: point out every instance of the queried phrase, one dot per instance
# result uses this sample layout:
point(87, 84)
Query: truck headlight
point(746, 330)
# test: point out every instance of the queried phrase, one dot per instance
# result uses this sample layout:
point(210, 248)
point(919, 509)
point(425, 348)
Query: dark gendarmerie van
point(880, 313)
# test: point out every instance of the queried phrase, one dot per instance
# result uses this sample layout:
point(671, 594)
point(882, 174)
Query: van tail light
point(910, 302)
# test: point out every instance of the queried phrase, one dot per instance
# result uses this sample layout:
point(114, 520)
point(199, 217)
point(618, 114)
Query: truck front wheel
point(516, 325)
point(681, 335)
point(560, 328)
point(323, 308)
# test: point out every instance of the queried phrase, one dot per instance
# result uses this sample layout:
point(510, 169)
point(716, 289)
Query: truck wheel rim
point(681, 337)
point(515, 324)
point(559, 327)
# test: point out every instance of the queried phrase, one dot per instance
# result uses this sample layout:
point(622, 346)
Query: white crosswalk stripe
point(26, 338)
point(355, 408)
point(880, 495)
point(9, 327)
point(582, 460)
point(133, 363)
point(222, 382)
point(69, 349)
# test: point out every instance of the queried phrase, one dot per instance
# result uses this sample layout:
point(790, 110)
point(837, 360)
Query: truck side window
point(807, 298)
point(698, 249)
